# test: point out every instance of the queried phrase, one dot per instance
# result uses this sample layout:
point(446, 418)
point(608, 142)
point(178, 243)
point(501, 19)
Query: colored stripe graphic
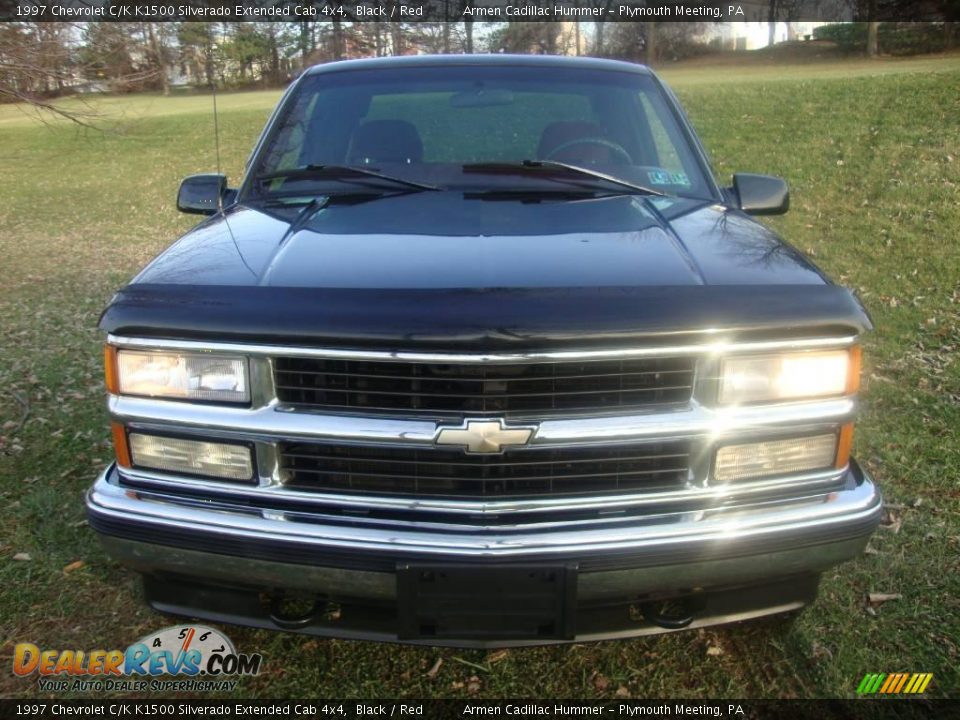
point(903, 679)
point(891, 680)
point(894, 683)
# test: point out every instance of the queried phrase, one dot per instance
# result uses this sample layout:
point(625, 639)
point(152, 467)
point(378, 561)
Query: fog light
point(775, 457)
point(219, 460)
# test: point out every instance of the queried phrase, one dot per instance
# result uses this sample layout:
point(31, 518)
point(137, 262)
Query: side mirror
point(202, 194)
point(761, 194)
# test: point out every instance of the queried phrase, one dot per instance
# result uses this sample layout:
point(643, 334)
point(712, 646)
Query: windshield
point(425, 124)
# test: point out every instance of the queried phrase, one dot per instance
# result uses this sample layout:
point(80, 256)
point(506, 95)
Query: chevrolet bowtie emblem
point(484, 436)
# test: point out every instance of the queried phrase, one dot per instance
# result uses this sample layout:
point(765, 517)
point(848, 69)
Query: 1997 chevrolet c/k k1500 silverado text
point(478, 353)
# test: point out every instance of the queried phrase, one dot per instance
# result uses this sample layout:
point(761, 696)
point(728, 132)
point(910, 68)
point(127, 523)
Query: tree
point(36, 61)
point(272, 39)
point(246, 50)
point(40, 61)
point(338, 46)
point(873, 28)
point(467, 25)
point(525, 37)
point(158, 54)
point(436, 37)
point(599, 28)
point(306, 40)
point(872, 33)
point(197, 50)
point(650, 42)
point(772, 22)
point(106, 54)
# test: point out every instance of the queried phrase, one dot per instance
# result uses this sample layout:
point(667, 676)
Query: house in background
point(754, 31)
point(755, 34)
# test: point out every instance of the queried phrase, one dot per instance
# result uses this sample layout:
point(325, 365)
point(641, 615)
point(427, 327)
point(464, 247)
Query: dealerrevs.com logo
point(202, 658)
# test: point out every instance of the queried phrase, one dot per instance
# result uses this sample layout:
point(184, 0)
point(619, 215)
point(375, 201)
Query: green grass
point(873, 157)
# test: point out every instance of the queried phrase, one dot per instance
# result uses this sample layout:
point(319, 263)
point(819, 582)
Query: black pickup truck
point(478, 353)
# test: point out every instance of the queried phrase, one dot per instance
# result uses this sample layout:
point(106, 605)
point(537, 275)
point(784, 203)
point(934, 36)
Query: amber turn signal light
point(844, 445)
point(110, 369)
point(120, 447)
point(853, 370)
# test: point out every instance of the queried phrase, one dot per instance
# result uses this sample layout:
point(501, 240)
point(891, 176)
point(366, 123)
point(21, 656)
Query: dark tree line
point(39, 61)
point(42, 61)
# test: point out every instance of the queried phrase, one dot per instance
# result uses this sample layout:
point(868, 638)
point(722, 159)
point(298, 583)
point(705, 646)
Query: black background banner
point(625, 709)
point(470, 10)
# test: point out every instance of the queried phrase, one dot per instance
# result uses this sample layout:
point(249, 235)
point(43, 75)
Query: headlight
point(788, 376)
point(216, 378)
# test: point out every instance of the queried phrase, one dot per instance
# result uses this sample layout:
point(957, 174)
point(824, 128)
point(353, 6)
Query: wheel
point(615, 148)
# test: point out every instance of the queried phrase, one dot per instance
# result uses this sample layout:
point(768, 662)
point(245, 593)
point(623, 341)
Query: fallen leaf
point(713, 651)
point(600, 682)
point(891, 521)
point(475, 666)
point(497, 655)
point(75, 565)
point(22, 557)
point(819, 651)
point(622, 692)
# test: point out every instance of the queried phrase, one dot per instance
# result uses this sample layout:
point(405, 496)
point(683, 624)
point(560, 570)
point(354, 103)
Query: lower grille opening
point(452, 473)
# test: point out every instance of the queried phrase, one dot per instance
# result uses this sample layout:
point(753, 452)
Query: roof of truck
point(556, 61)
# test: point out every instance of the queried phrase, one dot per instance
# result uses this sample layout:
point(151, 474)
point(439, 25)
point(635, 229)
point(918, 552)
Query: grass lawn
point(872, 153)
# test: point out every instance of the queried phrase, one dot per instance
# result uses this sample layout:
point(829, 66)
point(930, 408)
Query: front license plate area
point(490, 602)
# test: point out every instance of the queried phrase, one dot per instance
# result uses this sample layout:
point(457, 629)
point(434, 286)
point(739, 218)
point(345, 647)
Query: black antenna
point(216, 131)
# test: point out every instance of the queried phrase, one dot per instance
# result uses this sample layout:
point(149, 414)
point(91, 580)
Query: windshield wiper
point(550, 168)
point(340, 172)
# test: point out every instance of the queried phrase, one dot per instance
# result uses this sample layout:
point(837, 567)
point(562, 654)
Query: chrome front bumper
point(208, 548)
point(647, 557)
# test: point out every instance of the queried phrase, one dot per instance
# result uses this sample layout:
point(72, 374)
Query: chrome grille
point(428, 472)
point(507, 389)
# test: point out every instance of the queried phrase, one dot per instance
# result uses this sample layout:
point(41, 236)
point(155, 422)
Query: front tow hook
point(287, 618)
point(653, 613)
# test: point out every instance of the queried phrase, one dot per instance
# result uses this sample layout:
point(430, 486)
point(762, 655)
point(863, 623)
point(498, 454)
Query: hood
point(435, 240)
point(454, 270)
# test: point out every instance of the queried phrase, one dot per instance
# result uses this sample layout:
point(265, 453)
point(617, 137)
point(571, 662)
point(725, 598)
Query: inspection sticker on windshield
point(664, 177)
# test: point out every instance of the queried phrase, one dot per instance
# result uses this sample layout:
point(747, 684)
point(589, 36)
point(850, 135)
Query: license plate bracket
point(504, 602)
